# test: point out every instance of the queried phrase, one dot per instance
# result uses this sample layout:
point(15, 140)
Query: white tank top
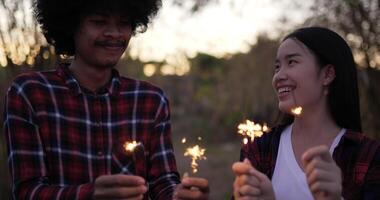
point(289, 181)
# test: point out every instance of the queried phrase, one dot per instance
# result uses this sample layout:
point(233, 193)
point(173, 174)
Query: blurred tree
point(359, 22)
point(20, 39)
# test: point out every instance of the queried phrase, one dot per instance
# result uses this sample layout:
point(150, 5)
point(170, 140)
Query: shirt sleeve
point(26, 156)
point(163, 175)
point(372, 182)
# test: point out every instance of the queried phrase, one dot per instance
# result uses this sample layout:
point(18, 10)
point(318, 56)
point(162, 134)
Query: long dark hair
point(343, 97)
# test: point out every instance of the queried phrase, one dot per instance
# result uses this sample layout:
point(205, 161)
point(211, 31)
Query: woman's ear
point(328, 73)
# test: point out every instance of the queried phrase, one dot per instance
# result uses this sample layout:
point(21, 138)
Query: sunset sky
point(228, 27)
point(222, 27)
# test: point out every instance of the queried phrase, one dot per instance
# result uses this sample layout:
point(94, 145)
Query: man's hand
point(192, 188)
point(119, 187)
point(250, 183)
point(323, 175)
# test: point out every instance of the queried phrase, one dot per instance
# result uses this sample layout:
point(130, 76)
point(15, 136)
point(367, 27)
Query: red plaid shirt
point(61, 137)
point(357, 156)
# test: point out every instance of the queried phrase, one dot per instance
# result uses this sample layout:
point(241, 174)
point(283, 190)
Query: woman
point(320, 153)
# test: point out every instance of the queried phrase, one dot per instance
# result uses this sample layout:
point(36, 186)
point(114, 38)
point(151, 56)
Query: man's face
point(101, 39)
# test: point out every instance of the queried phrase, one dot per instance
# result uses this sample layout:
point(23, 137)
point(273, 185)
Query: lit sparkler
point(137, 151)
point(297, 110)
point(130, 146)
point(183, 140)
point(251, 130)
point(196, 153)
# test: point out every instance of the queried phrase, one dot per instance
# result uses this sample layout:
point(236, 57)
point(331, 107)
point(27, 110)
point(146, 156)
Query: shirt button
point(100, 153)
point(98, 124)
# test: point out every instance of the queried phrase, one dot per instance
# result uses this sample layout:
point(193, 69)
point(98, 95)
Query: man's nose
point(113, 30)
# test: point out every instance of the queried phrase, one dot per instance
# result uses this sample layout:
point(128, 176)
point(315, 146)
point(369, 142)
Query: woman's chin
point(285, 108)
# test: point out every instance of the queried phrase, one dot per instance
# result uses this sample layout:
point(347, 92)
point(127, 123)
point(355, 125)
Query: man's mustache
point(120, 43)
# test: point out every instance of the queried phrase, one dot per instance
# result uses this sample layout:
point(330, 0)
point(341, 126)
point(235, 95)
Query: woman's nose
point(281, 74)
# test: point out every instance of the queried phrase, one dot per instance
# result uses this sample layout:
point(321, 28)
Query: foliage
point(359, 22)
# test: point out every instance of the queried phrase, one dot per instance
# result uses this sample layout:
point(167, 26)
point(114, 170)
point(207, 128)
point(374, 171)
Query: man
point(66, 128)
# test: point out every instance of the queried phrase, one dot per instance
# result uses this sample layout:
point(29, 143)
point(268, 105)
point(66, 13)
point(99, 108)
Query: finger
point(119, 180)
point(236, 187)
point(318, 151)
point(200, 183)
point(328, 187)
point(258, 174)
point(240, 168)
point(188, 194)
point(316, 164)
point(136, 198)
point(238, 195)
point(248, 190)
point(248, 180)
point(120, 192)
point(320, 175)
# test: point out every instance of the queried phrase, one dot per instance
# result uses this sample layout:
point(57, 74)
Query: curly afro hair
point(60, 19)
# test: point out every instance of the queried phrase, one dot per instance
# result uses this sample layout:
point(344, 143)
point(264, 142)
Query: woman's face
point(297, 79)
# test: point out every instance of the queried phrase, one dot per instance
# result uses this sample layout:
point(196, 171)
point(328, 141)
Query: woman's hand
point(250, 183)
point(192, 188)
point(323, 175)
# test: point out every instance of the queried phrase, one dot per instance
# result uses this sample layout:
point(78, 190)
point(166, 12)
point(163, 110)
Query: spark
point(130, 146)
point(245, 141)
point(251, 130)
point(297, 111)
point(196, 153)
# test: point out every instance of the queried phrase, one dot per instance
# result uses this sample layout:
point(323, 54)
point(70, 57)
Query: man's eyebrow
point(103, 14)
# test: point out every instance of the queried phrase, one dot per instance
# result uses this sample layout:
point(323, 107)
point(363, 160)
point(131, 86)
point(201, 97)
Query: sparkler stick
point(137, 150)
point(250, 130)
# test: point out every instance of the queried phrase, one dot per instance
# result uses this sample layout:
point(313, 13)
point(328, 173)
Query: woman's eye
point(292, 62)
point(276, 68)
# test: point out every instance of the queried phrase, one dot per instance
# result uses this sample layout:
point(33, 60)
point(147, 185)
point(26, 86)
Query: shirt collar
point(352, 136)
point(111, 88)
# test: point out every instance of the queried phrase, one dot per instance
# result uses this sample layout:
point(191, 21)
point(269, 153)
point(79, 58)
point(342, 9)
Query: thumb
point(241, 168)
point(246, 161)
